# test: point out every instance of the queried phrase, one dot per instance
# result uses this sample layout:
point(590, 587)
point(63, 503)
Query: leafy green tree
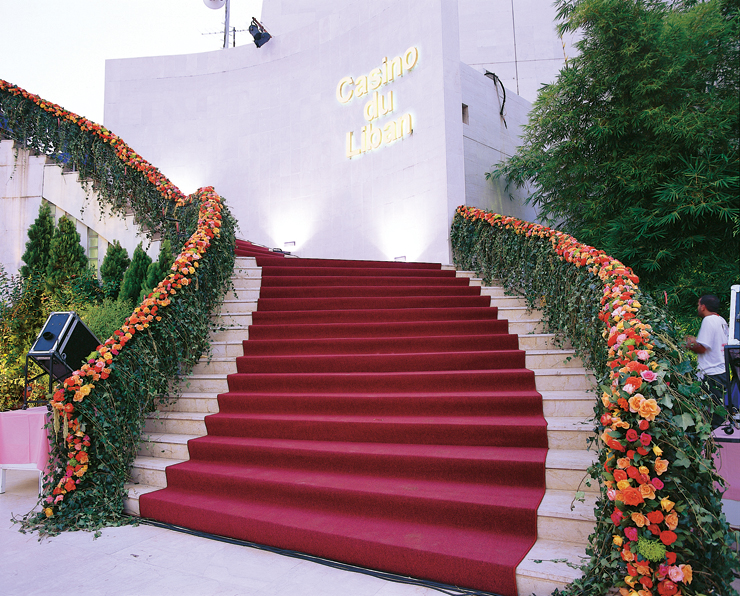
point(135, 275)
point(158, 269)
point(634, 149)
point(66, 255)
point(36, 257)
point(115, 263)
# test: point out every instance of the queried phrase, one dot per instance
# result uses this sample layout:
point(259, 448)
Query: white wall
point(488, 139)
point(25, 180)
point(265, 128)
point(516, 39)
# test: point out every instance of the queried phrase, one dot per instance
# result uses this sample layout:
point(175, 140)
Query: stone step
point(552, 359)
point(518, 313)
point(242, 273)
point(568, 433)
point(543, 341)
point(563, 379)
point(205, 403)
point(236, 308)
point(562, 518)
point(165, 445)
point(549, 565)
point(226, 349)
point(150, 470)
point(525, 327)
point(566, 469)
point(506, 301)
point(232, 334)
point(211, 384)
point(241, 295)
point(232, 320)
point(215, 365)
point(180, 423)
point(577, 404)
point(131, 500)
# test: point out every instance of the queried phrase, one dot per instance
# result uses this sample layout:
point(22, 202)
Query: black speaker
point(63, 345)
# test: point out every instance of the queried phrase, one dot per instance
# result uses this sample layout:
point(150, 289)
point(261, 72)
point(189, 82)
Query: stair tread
point(545, 560)
point(155, 463)
point(562, 504)
point(163, 437)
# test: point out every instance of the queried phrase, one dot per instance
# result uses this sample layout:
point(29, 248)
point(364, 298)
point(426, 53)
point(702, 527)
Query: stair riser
point(573, 408)
point(225, 367)
point(209, 386)
point(399, 506)
point(362, 330)
point(365, 281)
point(241, 273)
point(192, 404)
point(227, 350)
point(383, 345)
point(236, 334)
point(373, 316)
point(164, 450)
point(539, 586)
point(382, 362)
point(526, 404)
point(355, 292)
point(227, 320)
point(175, 426)
point(542, 342)
point(301, 271)
point(148, 476)
point(354, 303)
point(517, 313)
point(245, 284)
point(411, 382)
point(475, 468)
point(563, 529)
point(245, 303)
point(572, 480)
point(556, 360)
point(525, 327)
point(564, 439)
point(563, 382)
point(440, 433)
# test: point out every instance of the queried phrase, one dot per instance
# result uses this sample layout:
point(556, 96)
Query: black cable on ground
point(400, 579)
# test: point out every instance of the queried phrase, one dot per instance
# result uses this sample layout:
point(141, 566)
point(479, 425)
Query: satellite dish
point(214, 4)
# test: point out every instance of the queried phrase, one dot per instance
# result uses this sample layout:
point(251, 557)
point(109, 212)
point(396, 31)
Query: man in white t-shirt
point(709, 346)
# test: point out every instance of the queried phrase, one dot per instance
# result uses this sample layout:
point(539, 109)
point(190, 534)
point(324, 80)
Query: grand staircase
point(341, 406)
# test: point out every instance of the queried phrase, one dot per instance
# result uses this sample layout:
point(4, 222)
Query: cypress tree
point(135, 275)
point(114, 266)
point(36, 257)
point(66, 255)
point(158, 269)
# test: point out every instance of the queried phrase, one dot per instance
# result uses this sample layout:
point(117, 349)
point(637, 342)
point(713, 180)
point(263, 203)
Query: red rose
point(642, 451)
point(644, 425)
point(670, 557)
point(654, 529)
point(646, 582)
point(667, 537)
point(633, 472)
point(617, 517)
point(667, 588)
point(645, 439)
point(632, 435)
point(620, 475)
point(655, 517)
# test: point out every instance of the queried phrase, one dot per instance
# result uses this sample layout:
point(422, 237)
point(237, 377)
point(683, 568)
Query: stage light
point(260, 34)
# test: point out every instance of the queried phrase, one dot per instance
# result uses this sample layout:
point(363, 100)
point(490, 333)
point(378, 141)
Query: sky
point(58, 48)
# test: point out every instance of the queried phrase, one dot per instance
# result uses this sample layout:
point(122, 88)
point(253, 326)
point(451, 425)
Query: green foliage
point(114, 266)
point(135, 275)
point(158, 269)
point(66, 255)
point(570, 298)
point(36, 257)
point(104, 318)
point(634, 149)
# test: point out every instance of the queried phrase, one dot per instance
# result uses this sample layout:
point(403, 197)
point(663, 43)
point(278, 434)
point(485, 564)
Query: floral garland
point(126, 154)
point(646, 519)
point(77, 387)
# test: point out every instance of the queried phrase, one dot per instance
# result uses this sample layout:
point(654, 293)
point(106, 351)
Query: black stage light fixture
point(260, 34)
point(61, 347)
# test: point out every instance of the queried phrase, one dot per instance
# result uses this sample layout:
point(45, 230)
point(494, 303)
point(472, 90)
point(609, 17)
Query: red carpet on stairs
point(381, 416)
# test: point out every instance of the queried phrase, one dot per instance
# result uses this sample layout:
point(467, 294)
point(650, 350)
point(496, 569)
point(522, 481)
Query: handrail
point(98, 412)
point(659, 520)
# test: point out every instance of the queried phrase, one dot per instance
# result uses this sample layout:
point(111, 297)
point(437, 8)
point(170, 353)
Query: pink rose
point(611, 493)
point(643, 355)
point(645, 439)
point(648, 375)
point(631, 533)
point(657, 483)
point(675, 573)
point(617, 517)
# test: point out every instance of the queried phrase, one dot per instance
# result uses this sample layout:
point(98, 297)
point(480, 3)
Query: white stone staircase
point(563, 523)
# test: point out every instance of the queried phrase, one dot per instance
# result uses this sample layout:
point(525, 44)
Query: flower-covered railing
point(660, 528)
point(98, 412)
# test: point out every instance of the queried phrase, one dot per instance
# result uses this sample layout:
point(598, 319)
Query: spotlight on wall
point(260, 34)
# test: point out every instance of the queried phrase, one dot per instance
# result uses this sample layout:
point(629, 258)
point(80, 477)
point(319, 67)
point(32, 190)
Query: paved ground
point(144, 560)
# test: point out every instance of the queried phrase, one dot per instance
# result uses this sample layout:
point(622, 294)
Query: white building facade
point(356, 130)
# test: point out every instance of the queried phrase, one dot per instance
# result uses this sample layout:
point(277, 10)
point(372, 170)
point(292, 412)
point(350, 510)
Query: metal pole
point(226, 25)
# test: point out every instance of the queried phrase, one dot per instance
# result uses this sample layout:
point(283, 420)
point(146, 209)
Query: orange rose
point(639, 519)
point(623, 462)
point(635, 401)
point(671, 520)
point(630, 496)
point(647, 491)
point(649, 409)
point(688, 574)
point(661, 465)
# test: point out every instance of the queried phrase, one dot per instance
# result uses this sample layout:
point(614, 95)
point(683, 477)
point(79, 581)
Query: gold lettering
point(395, 62)
point(389, 132)
point(375, 78)
point(342, 95)
point(404, 124)
point(411, 57)
point(351, 152)
point(361, 86)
